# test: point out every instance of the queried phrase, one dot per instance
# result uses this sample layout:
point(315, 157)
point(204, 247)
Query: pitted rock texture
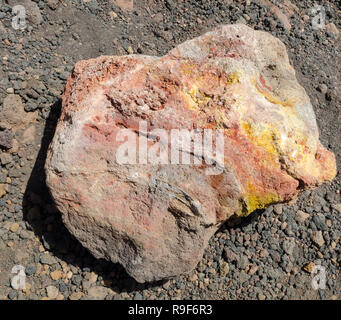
point(156, 220)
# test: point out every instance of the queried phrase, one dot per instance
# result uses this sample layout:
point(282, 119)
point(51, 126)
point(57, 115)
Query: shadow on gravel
point(45, 220)
point(239, 223)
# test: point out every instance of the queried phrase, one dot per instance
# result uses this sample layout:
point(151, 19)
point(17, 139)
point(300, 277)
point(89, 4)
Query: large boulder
point(156, 218)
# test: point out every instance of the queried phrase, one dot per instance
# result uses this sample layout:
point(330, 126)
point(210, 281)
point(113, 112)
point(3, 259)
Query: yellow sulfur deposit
point(233, 78)
point(266, 136)
point(255, 199)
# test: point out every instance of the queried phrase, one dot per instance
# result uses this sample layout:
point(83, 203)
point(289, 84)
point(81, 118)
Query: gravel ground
point(269, 255)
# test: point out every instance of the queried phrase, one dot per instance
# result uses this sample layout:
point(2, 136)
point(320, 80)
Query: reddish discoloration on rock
point(157, 219)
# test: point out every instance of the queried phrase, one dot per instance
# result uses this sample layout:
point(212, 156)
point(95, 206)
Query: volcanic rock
point(6, 139)
point(156, 217)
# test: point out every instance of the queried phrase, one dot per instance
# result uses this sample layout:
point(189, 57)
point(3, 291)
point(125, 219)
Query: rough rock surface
point(156, 220)
point(6, 139)
point(13, 115)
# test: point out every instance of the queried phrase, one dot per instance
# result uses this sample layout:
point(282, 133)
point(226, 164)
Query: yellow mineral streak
point(188, 69)
point(255, 199)
point(262, 135)
point(221, 118)
point(279, 145)
point(268, 96)
point(233, 78)
point(196, 97)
